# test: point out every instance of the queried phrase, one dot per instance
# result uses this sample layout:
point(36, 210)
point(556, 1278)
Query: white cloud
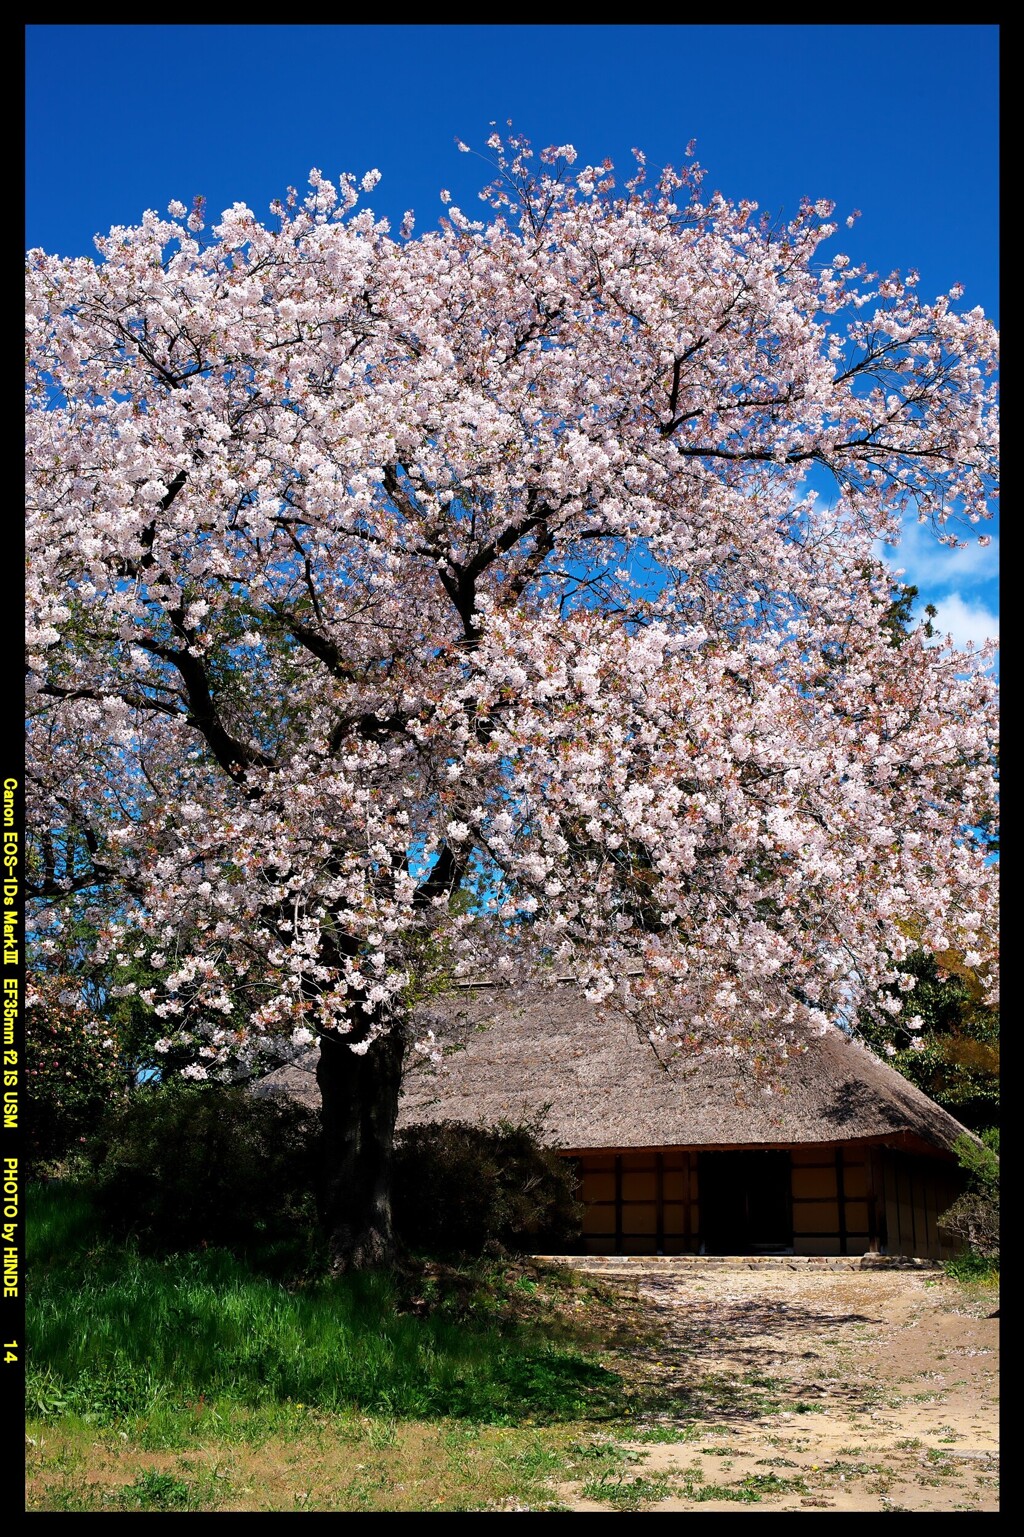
point(964, 621)
point(932, 566)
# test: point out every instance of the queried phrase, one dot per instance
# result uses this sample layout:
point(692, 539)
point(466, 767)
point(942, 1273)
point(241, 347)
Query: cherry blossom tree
point(531, 558)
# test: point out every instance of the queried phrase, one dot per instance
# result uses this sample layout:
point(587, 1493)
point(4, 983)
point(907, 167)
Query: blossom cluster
point(364, 570)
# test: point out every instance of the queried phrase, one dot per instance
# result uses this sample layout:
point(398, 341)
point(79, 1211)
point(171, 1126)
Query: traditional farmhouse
point(835, 1154)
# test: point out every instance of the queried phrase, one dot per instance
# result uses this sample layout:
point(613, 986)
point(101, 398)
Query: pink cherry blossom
point(362, 570)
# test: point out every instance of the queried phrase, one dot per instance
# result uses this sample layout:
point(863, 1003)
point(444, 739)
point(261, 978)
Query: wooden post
point(844, 1247)
point(870, 1169)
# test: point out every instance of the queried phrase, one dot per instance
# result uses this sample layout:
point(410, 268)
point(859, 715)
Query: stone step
point(604, 1264)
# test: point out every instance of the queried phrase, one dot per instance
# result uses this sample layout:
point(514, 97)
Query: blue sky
point(898, 121)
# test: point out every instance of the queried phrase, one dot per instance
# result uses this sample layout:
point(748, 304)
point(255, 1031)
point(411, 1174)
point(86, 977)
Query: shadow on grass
point(116, 1333)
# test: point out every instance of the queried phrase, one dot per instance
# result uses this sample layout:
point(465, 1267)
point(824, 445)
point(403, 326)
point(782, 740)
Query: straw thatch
point(601, 1083)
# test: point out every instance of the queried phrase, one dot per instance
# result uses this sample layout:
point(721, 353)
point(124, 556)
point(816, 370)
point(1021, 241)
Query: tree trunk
point(360, 1106)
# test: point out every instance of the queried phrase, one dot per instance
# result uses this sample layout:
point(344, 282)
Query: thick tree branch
point(233, 755)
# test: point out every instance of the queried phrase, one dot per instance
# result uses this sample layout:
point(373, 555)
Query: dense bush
point(954, 1057)
point(74, 1069)
point(182, 1166)
point(973, 1218)
point(458, 1188)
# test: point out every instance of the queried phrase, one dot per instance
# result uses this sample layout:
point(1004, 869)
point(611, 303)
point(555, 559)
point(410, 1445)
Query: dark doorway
point(745, 1203)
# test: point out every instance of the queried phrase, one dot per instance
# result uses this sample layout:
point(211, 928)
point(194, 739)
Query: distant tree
point(973, 1218)
point(113, 989)
point(952, 1049)
point(365, 570)
point(74, 1069)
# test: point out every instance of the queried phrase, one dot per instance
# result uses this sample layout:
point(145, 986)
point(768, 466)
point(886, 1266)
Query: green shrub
point(74, 1070)
point(457, 1188)
point(973, 1219)
point(183, 1166)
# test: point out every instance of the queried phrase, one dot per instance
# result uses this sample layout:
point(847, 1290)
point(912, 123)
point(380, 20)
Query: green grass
point(659, 1434)
point(156, 1491)
point(115, 1334)
point(972, 1269)
point(629, 1493)
point(627, 1490)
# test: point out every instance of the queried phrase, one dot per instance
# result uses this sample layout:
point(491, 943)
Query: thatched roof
point(603, 1085)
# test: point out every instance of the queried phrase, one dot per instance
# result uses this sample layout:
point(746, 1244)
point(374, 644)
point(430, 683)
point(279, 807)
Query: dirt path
point(844, 1390)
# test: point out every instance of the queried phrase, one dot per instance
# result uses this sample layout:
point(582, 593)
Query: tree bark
point(360, 1107)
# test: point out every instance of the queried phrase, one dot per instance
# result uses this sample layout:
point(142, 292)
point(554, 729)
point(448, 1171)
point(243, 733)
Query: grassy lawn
point(205, 1380)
